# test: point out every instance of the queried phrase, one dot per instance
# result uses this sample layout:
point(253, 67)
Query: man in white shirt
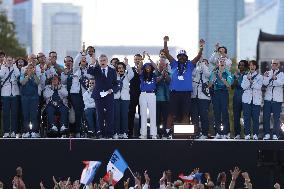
point(273, 80)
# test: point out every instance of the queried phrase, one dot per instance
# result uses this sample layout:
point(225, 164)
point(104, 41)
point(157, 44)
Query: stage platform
point(43, 158)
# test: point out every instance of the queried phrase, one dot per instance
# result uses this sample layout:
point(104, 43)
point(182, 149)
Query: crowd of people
point(195, 180)
point(39, 93)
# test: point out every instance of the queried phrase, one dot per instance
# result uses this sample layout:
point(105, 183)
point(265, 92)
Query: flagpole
point(131, 172)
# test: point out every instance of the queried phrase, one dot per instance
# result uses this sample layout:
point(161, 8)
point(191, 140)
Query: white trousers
point(148, 100)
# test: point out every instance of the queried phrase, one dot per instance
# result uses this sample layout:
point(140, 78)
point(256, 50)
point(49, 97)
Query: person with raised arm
point(181, 82)
point(134, 99)
point(219, 52)
point(122, 99)
point(147, 98)
point(201, 97)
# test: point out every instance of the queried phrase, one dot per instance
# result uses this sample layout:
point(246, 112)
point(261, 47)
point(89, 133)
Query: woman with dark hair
point(251, 98)
point(238, 92)
point(21, 62)
point(122, 99)
point(78, 88)
point(220, 52)
point(147, 99)
point(221, 79)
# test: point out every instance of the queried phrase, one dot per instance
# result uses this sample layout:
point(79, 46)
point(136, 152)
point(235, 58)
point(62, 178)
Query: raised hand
point(201, 43)
point(207, 176)
point(41, 185)
point(125, 61)
point(217, 45)
point(126, 183)
point(147, 178)
point(196, 170)
point(166, 38)
point(235, 173)
point(277, 186)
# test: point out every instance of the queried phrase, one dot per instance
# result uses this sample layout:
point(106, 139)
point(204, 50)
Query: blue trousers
point(121, 116)
point(251, 112)
point(200, 108)
point(220, 106)
point(30, 112)
point(90, 114)
point(78, 105)
point(237, 111)
point(268, 108)
point(51, 110)
point(10, 117)
point(105, 114)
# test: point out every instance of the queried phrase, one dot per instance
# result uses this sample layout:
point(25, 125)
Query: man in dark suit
point(106, 86)
point(134, 99)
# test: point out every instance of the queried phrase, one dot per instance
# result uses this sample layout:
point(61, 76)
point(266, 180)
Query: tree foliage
point(8, 41)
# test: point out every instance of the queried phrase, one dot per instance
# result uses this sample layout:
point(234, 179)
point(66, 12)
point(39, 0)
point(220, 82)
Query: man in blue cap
point(181, 83)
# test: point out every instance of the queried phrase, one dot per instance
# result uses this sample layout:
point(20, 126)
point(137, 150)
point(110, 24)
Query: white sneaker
point(218, 136)
point(115, 136)
point(26, 135)
point(274, 137)
point(54, 128)
point(237, 137)
point(13, 135)
point(266, 137)
point(255, 137)
point(154, 137)
point(143, 137)
point(247, 137)
point(228, 136)
point(203, 137)
point(6, 135)
point(18, 135)
point(124, 136)
point(63, 128)
point(35, 135)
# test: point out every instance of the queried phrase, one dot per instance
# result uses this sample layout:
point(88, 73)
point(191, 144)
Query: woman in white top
point(9, 75)
point(122, 99)
point(252, 97)
point(78, 88)
point(201, 97)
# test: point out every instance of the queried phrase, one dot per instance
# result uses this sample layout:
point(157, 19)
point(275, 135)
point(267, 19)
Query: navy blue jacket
point(103, 83)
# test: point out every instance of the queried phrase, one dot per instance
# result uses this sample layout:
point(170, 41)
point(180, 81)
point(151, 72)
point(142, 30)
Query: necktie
point(104, 72)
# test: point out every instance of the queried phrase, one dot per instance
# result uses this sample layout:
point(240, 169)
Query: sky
point(141, 23)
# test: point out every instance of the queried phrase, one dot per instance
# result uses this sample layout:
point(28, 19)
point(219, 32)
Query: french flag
point(117, 166)
point(89, 171)
point(191, 177)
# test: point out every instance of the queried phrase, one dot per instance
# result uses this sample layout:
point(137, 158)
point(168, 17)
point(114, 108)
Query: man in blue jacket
point(106, 86)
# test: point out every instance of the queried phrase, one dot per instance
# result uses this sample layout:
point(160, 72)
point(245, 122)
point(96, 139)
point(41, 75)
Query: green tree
point(8, 41)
